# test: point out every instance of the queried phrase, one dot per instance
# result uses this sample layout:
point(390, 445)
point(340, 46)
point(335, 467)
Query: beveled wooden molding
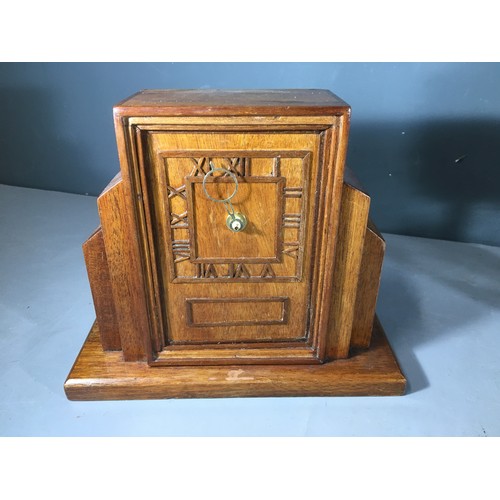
point(97, 375)
point(332, 149)
point(213, 103)
point(332, 181)
point(234, 153)
point(257, 353)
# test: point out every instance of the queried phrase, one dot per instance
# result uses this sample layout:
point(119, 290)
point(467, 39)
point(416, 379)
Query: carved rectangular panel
point(246, 311)
point(216, 287)
point(271, 194)
point(259, 242)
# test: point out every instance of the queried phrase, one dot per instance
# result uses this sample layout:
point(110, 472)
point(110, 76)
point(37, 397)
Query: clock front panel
point(219, 287)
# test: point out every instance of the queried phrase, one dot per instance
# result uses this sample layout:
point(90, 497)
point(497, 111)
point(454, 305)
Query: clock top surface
point(213, 102)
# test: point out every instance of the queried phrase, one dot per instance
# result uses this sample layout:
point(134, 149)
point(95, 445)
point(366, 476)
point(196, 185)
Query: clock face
point(230, 231)
point(258, 205)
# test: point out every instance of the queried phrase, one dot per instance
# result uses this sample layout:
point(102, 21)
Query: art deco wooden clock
point(235, 255)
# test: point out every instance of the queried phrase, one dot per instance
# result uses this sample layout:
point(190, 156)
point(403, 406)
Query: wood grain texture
point(325, 246)
point(368, 287)
point(124, 271)
point(157, 129)
point(350, 242)
point(100, 285)
point(259, 242)
point(369, 276)
point(201, 354)
point(196, 256)
point(231, 102)
point(237, 312)
point(98, 375)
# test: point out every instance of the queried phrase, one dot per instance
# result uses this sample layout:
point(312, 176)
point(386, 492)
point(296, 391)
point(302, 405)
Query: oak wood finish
point(286, 300)
point(214, 102)
point(125, 271)
point(368, 286)
point(98, 375)
point(258, 243)
point(155, 151)
point(353, 220)
point(264, 260)
point(368, 280)
point(212, 312)
point(102, 295)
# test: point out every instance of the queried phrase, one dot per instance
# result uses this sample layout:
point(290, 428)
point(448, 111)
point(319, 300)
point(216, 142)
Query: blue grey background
point(425, 137)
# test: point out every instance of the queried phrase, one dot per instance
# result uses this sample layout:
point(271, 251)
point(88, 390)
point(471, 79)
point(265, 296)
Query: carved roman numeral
point(238, 271)
point(178, 220)
point(245, 167)
point(180, 250)
point(276, 167)
point(181, 191)
point(267, 272)
point(291, 248)
point(293, 192)
point(291, 220)
point(201, 166)
point(238, 166)
point(206, 271)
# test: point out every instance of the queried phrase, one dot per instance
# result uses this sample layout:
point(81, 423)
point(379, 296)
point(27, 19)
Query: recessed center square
point(259, 199)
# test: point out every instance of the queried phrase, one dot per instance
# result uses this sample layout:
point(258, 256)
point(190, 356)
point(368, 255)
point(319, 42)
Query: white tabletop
point(439, 304)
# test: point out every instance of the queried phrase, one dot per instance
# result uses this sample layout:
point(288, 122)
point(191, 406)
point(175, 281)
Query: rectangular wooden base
point(99, 375)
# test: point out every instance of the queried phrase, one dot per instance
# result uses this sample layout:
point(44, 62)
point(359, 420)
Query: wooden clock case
point(187, 308)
